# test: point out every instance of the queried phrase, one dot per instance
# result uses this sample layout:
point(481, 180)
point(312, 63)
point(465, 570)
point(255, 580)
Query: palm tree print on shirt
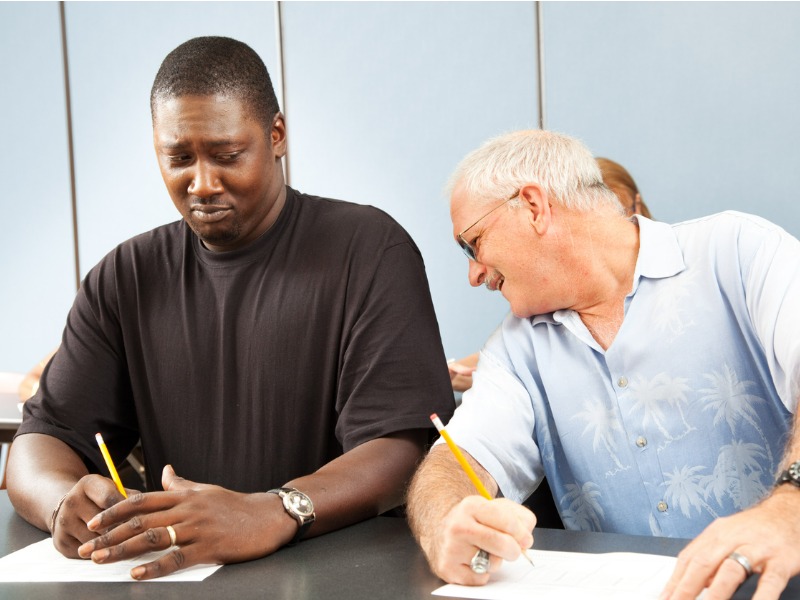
point(672, 309)
point(659, 398)
point(738, 474)
point(580, 507)
point(687, 489)
point(734, 405)
point(603, 423)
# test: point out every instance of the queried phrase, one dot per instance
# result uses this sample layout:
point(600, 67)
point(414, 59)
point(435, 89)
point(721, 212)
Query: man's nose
point(477, 273)
point(205, 181)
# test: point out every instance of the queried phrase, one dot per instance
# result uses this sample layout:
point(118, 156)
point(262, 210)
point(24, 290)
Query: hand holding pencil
point(480, 562)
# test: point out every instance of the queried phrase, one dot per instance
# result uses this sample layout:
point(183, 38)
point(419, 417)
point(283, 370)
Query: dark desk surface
point(374, 560)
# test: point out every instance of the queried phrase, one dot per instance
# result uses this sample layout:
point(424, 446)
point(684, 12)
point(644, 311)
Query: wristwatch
point(790, 475)
point(299, 507)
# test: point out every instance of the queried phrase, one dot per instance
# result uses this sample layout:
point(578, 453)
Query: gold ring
point(173, 539)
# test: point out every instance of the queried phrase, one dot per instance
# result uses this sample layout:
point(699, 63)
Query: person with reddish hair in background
point(622, 184)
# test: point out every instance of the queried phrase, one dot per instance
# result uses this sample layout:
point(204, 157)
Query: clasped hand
point(211, 525)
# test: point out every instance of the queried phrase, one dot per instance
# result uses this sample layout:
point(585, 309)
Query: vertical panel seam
point(540, 63)
point(282, 83)
point(70, 147)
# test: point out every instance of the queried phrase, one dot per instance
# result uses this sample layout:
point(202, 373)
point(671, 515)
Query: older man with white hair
point(650, 371)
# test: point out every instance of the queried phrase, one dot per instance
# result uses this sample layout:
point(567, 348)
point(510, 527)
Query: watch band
point(299, 507)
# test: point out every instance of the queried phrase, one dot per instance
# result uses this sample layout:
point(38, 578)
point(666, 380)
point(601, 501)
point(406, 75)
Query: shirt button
point(662, 506)
point(622, 382)
point(641, 441)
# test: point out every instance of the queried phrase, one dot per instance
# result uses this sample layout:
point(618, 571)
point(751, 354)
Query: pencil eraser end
point(434, 417)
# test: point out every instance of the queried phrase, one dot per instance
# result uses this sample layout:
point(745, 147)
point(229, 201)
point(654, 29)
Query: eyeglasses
point(466, 246)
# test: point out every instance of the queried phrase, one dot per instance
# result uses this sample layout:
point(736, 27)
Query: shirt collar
point(660, 255)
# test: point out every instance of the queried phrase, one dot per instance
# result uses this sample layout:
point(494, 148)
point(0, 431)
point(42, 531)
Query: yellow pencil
point(110, 464)
point(473, 477)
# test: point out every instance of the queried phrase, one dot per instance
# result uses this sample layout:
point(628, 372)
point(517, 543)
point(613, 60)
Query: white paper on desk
point(41, 562)
point(573, 576)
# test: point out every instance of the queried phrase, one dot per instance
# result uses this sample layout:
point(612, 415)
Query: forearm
point(363, 482)
point(41, 469)
point(440, 484)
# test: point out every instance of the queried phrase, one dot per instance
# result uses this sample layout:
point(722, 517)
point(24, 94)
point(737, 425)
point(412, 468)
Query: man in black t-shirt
point(277, 354)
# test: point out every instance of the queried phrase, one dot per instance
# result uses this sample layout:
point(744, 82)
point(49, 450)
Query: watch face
point(300, 504)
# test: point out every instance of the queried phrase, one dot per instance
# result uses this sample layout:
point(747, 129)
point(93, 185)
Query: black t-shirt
point(249, 368)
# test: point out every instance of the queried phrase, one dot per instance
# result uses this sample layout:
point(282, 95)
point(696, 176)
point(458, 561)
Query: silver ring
point(173, 539)
point(480, 562)
point(742, 560)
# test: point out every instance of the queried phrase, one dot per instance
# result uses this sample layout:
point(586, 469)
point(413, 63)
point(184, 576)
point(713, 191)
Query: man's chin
point(521, 312)
point(213, 237)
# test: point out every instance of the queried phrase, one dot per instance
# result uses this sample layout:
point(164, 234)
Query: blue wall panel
point(383, 101)
point(699, 100)
point(37, 269)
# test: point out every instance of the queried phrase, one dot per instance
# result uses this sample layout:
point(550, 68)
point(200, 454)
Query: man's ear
point(534, 199)
point(278, 135)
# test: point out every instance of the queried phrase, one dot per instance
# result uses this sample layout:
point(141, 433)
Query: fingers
point(102, 492)
point(119, 510)
point(460, 376)
point(169, 478)
point(692, 572)
point(459, 369)
point(118, 544)
point(150, 540)
point(172, 483)
point(169, 563)
point(461, 383)
point(771, 583)
point(515, 519)
point(69, 530)
point(761, 540)
point(135, 505)
point(90, 495)
point(500, 527)
point(727, 580)
point(211, 526)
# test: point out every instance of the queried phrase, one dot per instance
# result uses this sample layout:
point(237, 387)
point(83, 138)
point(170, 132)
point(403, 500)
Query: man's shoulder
point(166, 233)
point(344, 214)
point(160, 242)
point(728, 221)
point(728, 230)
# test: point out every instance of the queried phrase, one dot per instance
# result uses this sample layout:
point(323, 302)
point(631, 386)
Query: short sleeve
point(394, 373)
point(772, 290)
point(85, 388)
point(495, 423)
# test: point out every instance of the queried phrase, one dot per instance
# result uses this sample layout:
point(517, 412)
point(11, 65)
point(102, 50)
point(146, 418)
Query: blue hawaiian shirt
point(684, 418)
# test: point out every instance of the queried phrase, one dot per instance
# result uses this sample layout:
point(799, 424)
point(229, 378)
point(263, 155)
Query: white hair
point(562, 165)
